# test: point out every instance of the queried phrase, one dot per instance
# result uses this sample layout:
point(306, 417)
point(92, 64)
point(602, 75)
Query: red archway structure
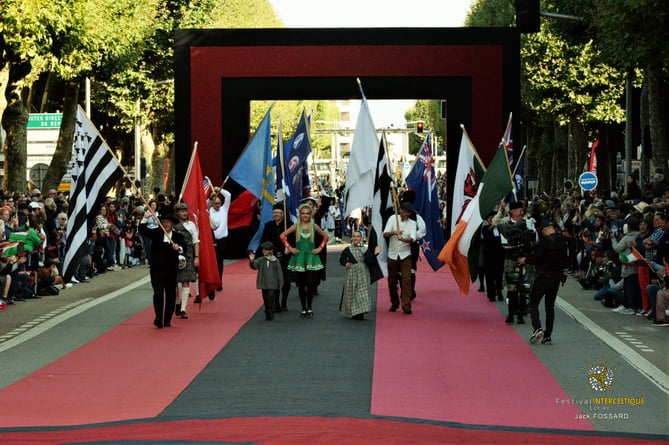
point(219, 72)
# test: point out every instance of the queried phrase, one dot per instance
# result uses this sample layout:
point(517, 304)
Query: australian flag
point(295, 168)
point(423, 180)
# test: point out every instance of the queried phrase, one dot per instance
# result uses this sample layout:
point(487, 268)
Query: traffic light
point(419, 126)
point(527, 16)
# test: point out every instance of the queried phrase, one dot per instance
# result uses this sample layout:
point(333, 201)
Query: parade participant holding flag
point(166, 245)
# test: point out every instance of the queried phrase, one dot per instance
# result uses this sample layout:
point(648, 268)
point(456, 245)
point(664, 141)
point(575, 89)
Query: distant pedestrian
point(270, 277)
point(362, 269)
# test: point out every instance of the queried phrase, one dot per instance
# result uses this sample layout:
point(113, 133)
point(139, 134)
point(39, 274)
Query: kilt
point(188, 273)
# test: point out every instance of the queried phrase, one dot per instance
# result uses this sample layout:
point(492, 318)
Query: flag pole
point(279, 147)
point(188, 170)
point(508, 169)
point(515, 167)
point(127, 177)
point(393, 190)
point(476, 153)
point(136, 190)
point(247, 146)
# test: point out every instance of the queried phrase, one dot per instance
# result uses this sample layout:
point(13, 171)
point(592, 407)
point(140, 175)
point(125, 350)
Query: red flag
point(593, 157)
point(241, 210)
point(194, 196)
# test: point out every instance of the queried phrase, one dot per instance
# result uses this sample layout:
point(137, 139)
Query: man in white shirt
point(218, 217)
point(400, 233)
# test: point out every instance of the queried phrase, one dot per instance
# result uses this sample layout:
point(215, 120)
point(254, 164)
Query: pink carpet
point(455, 360)
point(303, 431)
point(151, 375)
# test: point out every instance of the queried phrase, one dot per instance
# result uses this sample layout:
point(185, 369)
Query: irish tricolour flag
point(495, 185)
point(631, 257)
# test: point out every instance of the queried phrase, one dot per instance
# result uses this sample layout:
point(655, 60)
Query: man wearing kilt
point(187, 274)
point(519, 238)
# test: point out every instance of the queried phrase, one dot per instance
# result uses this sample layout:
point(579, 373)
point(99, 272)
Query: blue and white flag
point(295, 168)
point(423, 180)
point(249, 170)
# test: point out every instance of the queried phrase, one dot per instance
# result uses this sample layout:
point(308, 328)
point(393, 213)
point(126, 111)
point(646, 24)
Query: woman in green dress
point(305, 262)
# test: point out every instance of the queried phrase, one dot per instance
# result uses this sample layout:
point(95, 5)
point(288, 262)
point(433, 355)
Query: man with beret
point(271, 232)
point(166, 245)
point(518, 240)
point(400, 231)
point(550, 259)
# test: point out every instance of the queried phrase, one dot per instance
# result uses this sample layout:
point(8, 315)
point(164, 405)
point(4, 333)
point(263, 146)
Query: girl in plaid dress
point(355, 298)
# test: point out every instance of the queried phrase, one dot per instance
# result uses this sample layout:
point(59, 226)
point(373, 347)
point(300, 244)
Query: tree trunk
point(658, 115)
point(15, 122)
point(63, 154)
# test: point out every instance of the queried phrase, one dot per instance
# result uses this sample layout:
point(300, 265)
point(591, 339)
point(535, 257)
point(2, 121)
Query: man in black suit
point(164, 263)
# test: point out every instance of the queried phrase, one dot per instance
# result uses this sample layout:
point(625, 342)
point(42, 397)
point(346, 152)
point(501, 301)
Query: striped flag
point(382, 206)
point(495, 185)
point(631, 257)
point(9, 248)
point(94, 172)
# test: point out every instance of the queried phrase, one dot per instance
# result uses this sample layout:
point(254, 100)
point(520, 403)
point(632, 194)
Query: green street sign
point(44, 120)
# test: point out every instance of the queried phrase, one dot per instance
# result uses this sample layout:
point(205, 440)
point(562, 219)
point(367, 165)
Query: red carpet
point(429, 365)
point(302, 430)
point(132, 371)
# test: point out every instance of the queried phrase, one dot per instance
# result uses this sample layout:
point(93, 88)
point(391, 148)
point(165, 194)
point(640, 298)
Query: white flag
point(361, 170)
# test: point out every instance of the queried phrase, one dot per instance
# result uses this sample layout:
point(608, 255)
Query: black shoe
point(310, 313)
point(157, 323)
point(413, 295)
point(407, 311)
point(212, 295)
point(520, 320)
point(220, 288)
point(197, 299)
point(316, 291)
point(500, 297)
point(509, 319)
point(393, 308)
point(183, 315)
point(492, 300)
point(481, 289)
point(168, 324)
point(536, 335)
point(546, 341)
point(177, 309)
point(303, 314)
point(284, 308)
point(359, 317)
point(277, 309)
point(269, 317)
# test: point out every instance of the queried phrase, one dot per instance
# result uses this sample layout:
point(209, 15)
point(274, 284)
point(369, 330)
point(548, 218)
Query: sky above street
point(374, 14)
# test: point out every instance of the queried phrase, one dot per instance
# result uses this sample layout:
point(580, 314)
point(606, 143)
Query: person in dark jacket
point(271, 232)
point(550, 259)
point(270, 277)
point(166, 245)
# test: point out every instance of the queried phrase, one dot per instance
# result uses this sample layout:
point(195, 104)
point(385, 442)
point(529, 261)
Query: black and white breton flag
point(382, 206)
point(94, 172)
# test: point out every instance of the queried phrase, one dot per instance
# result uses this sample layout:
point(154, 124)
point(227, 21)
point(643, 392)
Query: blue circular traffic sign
point(587, 181)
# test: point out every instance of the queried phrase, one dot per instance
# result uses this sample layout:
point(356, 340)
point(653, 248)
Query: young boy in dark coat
point(270, 277)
